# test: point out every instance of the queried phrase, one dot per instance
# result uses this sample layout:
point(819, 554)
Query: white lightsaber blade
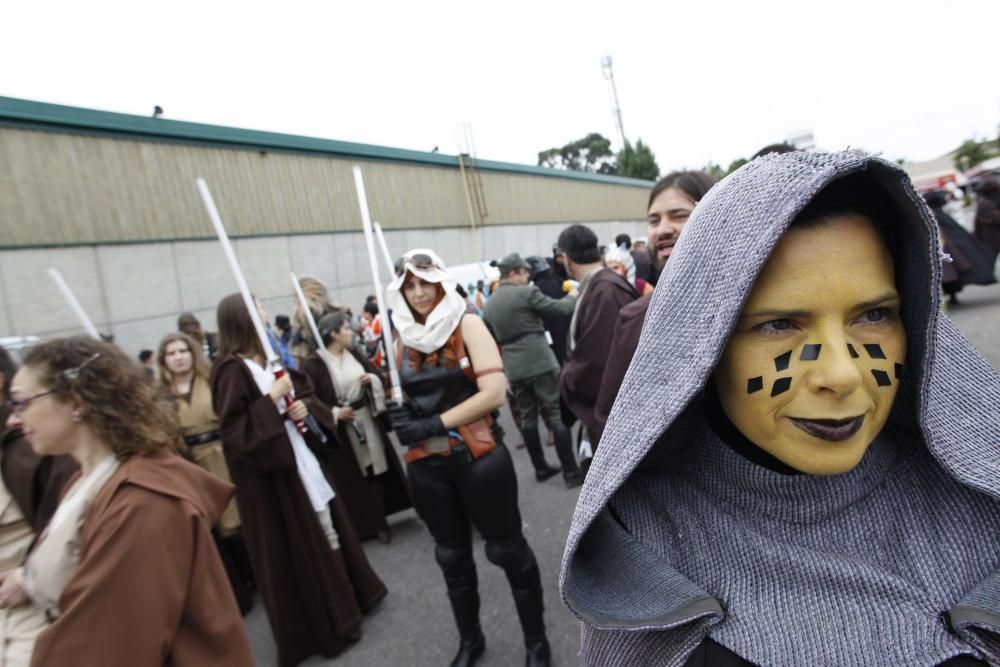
point(305, 308)
point(234, 268)
point(383, 313)
point(386, 255)
point(74, 305)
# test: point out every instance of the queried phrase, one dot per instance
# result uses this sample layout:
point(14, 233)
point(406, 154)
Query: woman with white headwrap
point(453, 379)
point(619, 260)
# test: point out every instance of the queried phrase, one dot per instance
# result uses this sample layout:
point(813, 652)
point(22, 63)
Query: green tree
point(715, 171)
point(638, 162)
point(971, 153)
point(736, 164)
point(591, 153)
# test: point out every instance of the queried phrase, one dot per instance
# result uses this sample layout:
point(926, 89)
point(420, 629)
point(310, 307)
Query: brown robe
point(314, 596)
point(595, 317)
point(150, 588)
point(369, 499)
point(987, 223)
point(36, 482)
point(623, 346)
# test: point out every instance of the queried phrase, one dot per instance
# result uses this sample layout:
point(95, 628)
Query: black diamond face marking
point(780, 386)
point(781, 361)
point(882, 378)
point(810, 352)
point(854, 353)
point(755, 384)
point(898, 368)
point(874, 350)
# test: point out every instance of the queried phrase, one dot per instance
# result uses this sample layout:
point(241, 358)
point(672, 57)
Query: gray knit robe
point(676, 537)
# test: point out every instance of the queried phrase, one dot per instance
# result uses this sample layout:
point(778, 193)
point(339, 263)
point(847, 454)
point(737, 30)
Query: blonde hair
point(318, 298)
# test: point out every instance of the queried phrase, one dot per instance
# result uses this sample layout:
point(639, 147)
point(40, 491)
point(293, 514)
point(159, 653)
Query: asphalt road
point(414, 626)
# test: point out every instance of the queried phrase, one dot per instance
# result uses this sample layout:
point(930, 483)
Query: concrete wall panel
point(203, 275)
point(6, 324)
point(36, 306)
point(266, 265)
point(139, 280)
point(314, 256)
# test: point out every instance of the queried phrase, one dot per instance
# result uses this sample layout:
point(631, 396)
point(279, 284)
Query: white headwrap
point(441, 322)
point(621, 255)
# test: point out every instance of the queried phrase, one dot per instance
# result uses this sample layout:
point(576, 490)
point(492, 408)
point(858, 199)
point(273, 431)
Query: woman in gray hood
point(803, 463)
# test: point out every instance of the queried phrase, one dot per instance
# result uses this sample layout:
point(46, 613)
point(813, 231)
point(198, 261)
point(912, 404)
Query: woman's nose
point(834, 369)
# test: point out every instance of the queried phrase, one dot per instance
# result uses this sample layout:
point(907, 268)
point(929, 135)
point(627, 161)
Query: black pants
point(452, 494)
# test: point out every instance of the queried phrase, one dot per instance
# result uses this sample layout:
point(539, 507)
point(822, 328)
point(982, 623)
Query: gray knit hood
point(651, 565)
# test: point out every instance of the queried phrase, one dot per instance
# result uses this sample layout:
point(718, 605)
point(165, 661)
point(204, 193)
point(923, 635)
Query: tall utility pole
point(609, 74)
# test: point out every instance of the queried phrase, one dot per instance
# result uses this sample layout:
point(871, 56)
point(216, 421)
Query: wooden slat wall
point(63, 189)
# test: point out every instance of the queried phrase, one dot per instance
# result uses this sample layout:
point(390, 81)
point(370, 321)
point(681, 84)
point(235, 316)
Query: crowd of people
point(782, 424)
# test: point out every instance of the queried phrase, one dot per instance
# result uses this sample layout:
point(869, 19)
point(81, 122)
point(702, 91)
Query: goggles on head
point(418, 261)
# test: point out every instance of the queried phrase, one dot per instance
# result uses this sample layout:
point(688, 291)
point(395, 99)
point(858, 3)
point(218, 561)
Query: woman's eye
point(875, 316)
point(775, 326)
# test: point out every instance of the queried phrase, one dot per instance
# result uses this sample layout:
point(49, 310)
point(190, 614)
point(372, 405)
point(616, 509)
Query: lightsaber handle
point(303, 425)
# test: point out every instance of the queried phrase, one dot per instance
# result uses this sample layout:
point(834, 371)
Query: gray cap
point(511, 262)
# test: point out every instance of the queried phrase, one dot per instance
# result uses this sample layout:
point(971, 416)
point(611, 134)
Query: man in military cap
point(514, 314)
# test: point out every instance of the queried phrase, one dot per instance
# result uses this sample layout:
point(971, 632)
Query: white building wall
point(136, 291)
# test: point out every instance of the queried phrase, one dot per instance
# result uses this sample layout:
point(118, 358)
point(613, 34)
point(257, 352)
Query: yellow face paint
point(812, 367)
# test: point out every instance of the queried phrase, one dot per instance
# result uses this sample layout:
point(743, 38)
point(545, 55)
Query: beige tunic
point(197, 417)
point(19, 626)
point(367, 444)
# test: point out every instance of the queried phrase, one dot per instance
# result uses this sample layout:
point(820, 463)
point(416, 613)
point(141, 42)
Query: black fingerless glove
point(411, 429)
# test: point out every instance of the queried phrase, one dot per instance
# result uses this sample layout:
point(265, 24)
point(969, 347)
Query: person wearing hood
point(312, 574)
point(802, 466)
point(619, 259)
point(453, 379)
point(514, 316)
point(972, 263)
point(987, 222)
point(126, 570)
point(671, 202)
point(603, 293)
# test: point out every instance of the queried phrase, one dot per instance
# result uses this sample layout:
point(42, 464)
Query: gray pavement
point(413, 625)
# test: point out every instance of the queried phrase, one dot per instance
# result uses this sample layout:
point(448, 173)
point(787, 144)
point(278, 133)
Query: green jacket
point(514, 314)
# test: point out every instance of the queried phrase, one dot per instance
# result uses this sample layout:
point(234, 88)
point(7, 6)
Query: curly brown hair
point(120, 405)
point(201, 366)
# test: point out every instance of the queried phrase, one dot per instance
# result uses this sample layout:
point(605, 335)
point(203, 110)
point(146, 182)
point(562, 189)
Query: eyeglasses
point(20, 405)
point(418, 261)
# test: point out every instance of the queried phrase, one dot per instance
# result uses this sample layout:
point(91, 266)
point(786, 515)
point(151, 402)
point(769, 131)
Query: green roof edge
point(55, 117)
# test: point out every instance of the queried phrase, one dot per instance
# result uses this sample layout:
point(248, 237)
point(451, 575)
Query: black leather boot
point(564, 449)
point(526, 587)
point(533, 443)
point(465, 605)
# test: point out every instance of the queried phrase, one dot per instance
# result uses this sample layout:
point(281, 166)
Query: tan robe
point(198, 417)
point(18, 626)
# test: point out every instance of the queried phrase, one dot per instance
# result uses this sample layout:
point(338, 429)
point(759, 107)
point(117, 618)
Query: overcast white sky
point(697, 81)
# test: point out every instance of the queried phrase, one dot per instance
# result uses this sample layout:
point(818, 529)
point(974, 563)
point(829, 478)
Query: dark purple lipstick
point(834, 430)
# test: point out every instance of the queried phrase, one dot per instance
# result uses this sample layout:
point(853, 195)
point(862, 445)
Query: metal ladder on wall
point(472, 181)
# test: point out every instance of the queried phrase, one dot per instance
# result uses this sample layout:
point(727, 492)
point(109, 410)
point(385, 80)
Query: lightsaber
point(383, 313)
point(390, 267)
point(234, 267)
point(74, 305)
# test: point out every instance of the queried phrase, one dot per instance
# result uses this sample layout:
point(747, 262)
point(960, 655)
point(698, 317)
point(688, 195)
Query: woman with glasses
point(460, 477)
point(184, 376)
point(312, 574)
point(30, 486)
point(126, 570)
